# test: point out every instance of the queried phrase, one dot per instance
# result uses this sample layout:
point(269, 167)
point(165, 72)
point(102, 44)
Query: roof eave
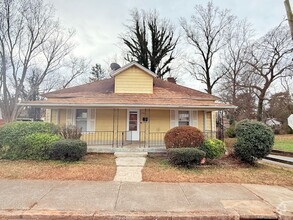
point(120, 70)
point(57, 105)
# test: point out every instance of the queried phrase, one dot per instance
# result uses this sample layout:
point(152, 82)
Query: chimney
point(171, 80)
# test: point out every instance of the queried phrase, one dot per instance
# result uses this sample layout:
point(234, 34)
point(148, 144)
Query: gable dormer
point(134, 78)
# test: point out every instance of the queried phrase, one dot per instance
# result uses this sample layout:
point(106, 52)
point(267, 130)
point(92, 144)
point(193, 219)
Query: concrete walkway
point(32, 199)
point(129, 166)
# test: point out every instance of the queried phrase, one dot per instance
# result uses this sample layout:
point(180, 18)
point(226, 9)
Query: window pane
point(132, 121)
point(183, 118)
point(81, 119)
point(182, 123)
point(81, 113)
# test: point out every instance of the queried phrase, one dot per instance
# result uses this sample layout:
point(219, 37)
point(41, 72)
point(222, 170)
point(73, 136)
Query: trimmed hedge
point(12, 137)
point(68, 150)
point(185, 157)
point(254, 140)
point(183, 136)
point(213, 148)
point(37, 145)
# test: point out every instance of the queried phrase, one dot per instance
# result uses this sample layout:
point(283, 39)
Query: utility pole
point(289, 16)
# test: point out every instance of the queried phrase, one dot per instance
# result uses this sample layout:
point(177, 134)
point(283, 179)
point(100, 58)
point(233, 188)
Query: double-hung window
point(183, 118)
point(81, 119)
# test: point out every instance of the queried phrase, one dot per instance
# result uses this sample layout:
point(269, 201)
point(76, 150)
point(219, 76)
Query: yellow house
point(133, 108)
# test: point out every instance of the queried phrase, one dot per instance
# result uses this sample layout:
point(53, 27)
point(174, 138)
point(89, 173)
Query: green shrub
point(185, 157)
point(213, 148)
point(254, 140)
point(68, 150)
point(12, 137)
point(70, 132)
point(183, 136)
point(230, 132)
point(36, 146)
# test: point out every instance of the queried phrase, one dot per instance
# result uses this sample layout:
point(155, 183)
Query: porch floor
point(128, 148)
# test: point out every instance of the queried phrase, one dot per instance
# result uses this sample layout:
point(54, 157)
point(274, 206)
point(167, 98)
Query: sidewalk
point(33, 199)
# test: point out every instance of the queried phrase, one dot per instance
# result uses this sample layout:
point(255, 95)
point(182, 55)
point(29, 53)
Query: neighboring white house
point(273, 122)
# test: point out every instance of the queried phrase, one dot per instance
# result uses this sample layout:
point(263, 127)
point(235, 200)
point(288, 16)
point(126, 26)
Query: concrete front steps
point(280, 159)
point(129, 166)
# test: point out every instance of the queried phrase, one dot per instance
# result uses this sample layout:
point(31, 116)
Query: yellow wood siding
point(214, 124)
point(144, 126)
point(48, 115)
point(104, 120)
point(200, 120)
point(159, 120)
point(54, 116)
point(62, 117)
point(133, 80)
point(208, 121)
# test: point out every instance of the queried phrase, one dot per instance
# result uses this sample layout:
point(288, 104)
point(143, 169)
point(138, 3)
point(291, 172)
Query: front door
point(133, 125)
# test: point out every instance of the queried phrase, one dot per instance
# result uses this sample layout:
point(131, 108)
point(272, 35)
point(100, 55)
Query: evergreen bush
point(185, 157)
point(254, 140)
point(68, 150)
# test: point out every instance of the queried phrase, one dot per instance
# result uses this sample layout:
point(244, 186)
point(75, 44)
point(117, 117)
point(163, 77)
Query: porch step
point(130, 154)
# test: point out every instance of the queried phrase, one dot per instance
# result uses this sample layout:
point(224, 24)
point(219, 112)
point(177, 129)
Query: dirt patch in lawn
point(227, 170)
point(96, 167)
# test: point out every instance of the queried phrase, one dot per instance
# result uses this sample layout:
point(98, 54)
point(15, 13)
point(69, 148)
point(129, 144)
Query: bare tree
point(233, 63)
point(269, 59)
point(206, 33)
point(30, 39)
point(150, 41)
point(233, 66)
point(76, 68)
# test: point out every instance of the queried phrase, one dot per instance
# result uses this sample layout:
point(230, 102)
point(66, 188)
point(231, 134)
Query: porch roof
point(101, 94)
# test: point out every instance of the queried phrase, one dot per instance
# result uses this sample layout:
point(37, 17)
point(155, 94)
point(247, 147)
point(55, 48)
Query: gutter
point(126, 105)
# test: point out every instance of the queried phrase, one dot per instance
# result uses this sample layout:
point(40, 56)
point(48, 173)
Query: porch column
point(212, 121)
point(113, 129)
point(204, 120)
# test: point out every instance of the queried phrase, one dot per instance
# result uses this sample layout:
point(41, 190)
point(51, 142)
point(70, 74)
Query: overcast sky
point(98, 23)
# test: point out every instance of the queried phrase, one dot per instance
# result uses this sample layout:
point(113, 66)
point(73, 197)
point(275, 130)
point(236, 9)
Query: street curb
point(64, 215)
point(79, 215)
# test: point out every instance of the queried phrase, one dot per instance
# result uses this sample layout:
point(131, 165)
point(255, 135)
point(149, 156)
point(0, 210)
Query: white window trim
point(190, 117)
point(176, 119)
point(72, 120)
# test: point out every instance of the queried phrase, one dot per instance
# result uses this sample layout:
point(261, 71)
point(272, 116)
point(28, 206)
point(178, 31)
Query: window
point(183, 118)
point(133, 121)
point(81, 119)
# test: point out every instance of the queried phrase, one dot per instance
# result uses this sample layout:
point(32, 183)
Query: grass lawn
point(157, 169)
point(97, 167)
point(284, 142)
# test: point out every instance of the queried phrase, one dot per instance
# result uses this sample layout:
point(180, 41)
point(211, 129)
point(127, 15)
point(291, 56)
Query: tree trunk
point(259, 109)
point(261, 99)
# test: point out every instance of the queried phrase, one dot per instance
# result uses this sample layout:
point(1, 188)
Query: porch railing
point(101, 138)
point(125, 138)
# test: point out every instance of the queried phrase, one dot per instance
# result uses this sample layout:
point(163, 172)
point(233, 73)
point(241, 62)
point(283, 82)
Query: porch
point(112, 141)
